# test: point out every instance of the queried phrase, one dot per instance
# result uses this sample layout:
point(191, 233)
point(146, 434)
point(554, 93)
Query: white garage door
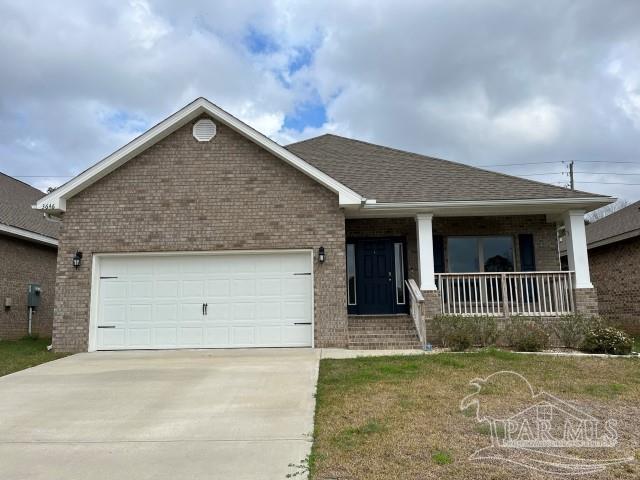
point(204, 301)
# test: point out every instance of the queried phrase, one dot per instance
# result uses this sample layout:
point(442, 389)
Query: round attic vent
point(204, 130)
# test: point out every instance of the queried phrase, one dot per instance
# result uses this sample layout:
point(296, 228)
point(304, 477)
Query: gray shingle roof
point(389, 175)
point(625, 223)
point(16, 199)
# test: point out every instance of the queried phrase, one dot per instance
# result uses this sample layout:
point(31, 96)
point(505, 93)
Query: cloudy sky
point(523, 87)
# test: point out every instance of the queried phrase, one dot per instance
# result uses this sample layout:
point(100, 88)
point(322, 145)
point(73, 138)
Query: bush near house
point(527, 334)
point(530, 334)
point(603, 339)
point(459, 332)
point(571, 330)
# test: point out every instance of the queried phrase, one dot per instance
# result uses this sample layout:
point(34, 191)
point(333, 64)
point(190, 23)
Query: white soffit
point(55, 202)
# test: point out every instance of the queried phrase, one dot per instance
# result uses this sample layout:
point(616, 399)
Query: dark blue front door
point(375, 273)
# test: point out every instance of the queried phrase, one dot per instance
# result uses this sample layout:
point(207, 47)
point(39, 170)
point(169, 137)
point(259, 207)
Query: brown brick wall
point(182, 195)
point(21, 263)
point(615, 272)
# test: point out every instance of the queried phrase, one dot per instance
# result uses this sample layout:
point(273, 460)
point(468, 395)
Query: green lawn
point(399, 417)
point(25, 353)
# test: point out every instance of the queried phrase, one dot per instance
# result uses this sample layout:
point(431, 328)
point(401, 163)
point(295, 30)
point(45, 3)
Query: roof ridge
point(423, 156)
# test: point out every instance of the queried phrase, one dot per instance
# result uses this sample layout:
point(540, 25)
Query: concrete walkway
point(198, 414)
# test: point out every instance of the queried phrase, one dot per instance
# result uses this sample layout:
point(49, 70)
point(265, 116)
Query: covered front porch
point(492, 265)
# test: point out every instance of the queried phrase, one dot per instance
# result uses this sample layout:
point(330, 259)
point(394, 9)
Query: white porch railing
point(508, 293)
point(416, 299)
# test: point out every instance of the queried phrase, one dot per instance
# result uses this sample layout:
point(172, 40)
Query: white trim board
point(28, 235)
point(55, 202)
point(552, 207)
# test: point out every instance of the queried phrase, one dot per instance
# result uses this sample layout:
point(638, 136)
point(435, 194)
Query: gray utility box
point(33, 295)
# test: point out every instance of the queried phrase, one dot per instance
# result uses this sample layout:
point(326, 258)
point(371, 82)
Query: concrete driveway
point(197, 414)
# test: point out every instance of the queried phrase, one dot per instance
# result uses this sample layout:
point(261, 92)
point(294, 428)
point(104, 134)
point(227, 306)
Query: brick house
point(614, 259)
point(28, 252)
point(204, 233)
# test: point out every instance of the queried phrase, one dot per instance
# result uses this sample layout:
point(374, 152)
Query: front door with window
point(375, 275)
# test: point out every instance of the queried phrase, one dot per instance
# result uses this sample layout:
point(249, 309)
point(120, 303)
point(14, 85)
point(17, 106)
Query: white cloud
point(479, 82)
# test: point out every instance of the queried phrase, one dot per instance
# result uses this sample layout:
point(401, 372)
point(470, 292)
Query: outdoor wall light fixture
point(77, 258)
point(321, 256)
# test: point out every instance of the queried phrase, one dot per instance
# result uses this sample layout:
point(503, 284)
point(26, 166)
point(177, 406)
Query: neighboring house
point(614, 258)
point(202, 232)
point(28, 251)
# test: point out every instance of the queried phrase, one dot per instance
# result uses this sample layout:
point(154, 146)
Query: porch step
point(382, 332)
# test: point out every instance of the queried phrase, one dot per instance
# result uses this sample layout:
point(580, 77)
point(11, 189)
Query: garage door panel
point(252, 300)
point(269, 287)
point(114, 290)
point(218, 336)
point(111, 337)
point(218, 287)
point(141, 289)
point(190, 311)
point(192, 336)
point(294, 310)
point(193, 288)
point(139, 337)
point(113, 313)
point(139, 313)
point(165, 312)
point(167, 288)
point(270, 335)
point(242, 336)
point(243, 311)
point(243, 287)
point(217, 312)
point(165, 336)
point(270, 311)
point(296, 285)
point(296, 263)
point(297, 335)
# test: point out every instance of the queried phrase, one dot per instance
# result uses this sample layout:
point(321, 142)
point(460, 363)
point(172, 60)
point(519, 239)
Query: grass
point(27, 352)
point(399, 417)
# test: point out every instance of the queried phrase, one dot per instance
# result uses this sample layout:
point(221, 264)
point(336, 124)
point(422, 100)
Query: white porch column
point(425, 251)
point(577, 247)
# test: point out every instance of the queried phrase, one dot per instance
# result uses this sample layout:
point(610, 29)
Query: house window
point(480, 254)
point(351, 274)
point(399, 267)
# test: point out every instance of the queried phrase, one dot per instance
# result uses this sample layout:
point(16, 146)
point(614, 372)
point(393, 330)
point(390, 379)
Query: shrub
point(484, 331)
point(461, 332)
point(526, 334)
point(453, 331)
point(571, 329)
point(459, 340)
point(601, 339)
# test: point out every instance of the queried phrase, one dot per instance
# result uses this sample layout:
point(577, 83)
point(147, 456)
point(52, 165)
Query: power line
point(548, 173)
point(603, 161)
point(41, 176)
point(516, 164)
point(609, 173)
point(556, 161)
point(611, 183)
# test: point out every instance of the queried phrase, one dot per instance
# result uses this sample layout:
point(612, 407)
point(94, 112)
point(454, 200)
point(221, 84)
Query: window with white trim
point(351, 274)
point(399, 268)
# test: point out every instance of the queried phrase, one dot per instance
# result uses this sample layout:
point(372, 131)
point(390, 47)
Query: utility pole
point(572, 183)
